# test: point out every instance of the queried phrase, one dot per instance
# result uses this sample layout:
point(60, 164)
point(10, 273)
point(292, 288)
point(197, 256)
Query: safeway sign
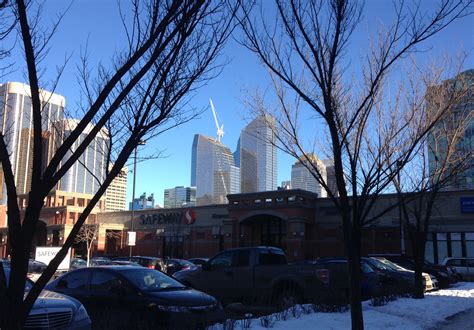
point(46, 253)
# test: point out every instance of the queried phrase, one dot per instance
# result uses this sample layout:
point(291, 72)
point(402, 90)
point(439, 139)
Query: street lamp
point(140, 143)
point(402, 232)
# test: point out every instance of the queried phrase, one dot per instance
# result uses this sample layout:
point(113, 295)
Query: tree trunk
point(352, 240)
point(419, 255)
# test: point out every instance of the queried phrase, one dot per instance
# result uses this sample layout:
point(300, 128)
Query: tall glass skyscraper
point(258, 156)
point(86, 175)
point(179, 197)
point(17, 127)
point(213, 171)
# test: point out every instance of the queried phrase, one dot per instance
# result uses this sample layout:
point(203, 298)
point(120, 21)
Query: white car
point(464, 266)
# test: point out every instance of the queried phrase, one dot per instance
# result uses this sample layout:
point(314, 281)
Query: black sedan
point(137, 297)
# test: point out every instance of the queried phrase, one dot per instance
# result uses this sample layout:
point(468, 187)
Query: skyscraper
point(143, 202)
point(213, 171)
point(258, 156)
point(86, 175)
point(17, 127)
point(462, 110)
point(301, 177)
point(331, 176)
point(116, 193)
point(179, 197)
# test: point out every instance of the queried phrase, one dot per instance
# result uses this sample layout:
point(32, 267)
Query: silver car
point(464, 266)
point(55, 311)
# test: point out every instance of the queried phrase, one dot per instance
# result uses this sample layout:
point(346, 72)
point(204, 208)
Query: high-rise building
point(331, 176)
point(116, 193)
point(213, 171)
point(285, 185)
point(258, 156)
point(463, 110)
point(86, 175)
point(143, 202)
point(16, 126)
point(301, 177)
point(179, 197)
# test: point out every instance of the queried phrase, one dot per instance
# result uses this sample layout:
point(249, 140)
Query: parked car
point(441, 272)
point(431, 283)
point(54, 311)
point(148, 262)
point(258, 275)
point(138, 297)
point(393, 280)
point(175, 265)
point(77, 263)
point(198, 261)
point(35, 268)
point(371, 284)
point(463, 266)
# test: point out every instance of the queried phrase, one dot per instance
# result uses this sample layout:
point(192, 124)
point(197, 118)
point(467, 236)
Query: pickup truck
point(257, 275)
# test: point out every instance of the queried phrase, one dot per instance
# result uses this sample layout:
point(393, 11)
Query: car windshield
point(380, 265)
point(151, 280)
point(391, 264)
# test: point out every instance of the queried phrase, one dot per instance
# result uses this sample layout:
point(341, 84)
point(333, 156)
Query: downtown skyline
point(230, 91)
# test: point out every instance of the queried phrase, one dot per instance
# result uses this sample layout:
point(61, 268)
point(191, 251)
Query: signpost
point(131, 238)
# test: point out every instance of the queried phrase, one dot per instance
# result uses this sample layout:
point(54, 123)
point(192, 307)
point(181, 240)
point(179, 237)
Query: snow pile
point(404, 313)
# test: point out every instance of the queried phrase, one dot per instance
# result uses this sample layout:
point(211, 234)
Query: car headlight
point(81, 314)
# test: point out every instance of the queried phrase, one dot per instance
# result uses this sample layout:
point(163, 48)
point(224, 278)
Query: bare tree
point(441, 162)
point(305, 49)
point(171, 50)
point(89, 234)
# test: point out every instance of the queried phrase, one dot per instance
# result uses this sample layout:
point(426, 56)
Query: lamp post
point(402, 233)
point(133, 195)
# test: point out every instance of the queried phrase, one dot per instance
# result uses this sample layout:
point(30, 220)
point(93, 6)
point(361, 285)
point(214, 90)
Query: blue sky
point(97, 22)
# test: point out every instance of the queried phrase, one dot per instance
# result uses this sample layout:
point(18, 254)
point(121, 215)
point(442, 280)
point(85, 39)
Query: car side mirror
point(206, 266)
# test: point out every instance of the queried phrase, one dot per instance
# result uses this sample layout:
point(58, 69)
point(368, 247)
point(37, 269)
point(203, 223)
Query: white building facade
point(301, 177)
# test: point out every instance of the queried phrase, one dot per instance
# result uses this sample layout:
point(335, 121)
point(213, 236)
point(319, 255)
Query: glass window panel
point(455, 236)
point(470, 248)
point(442, 250)
point(441, 236)
point(456, 248)
point(429, 253)
point(469, 236)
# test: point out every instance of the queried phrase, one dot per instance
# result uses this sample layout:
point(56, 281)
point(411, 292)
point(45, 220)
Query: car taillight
point(151, 267)
point(323, 275)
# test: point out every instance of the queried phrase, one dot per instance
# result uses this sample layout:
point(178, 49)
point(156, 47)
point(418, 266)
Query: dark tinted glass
point(456, 262)
point(269, 258)
point(223, 260)
point(74, 281)
point(105, 282)
point(241, 258)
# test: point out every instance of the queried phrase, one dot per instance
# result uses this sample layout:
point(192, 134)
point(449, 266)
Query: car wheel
point(286, 297)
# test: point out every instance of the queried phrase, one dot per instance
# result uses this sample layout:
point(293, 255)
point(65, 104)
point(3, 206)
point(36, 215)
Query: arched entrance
point(263, 229)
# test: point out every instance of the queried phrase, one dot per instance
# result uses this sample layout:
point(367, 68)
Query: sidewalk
point(462, 320)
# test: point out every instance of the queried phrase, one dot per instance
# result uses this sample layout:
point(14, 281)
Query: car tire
point(286, 297)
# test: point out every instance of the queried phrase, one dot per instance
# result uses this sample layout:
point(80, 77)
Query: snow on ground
point(404, 313)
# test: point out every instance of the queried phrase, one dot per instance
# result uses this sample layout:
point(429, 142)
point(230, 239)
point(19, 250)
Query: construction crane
point(220, 129)
point(220, 134)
